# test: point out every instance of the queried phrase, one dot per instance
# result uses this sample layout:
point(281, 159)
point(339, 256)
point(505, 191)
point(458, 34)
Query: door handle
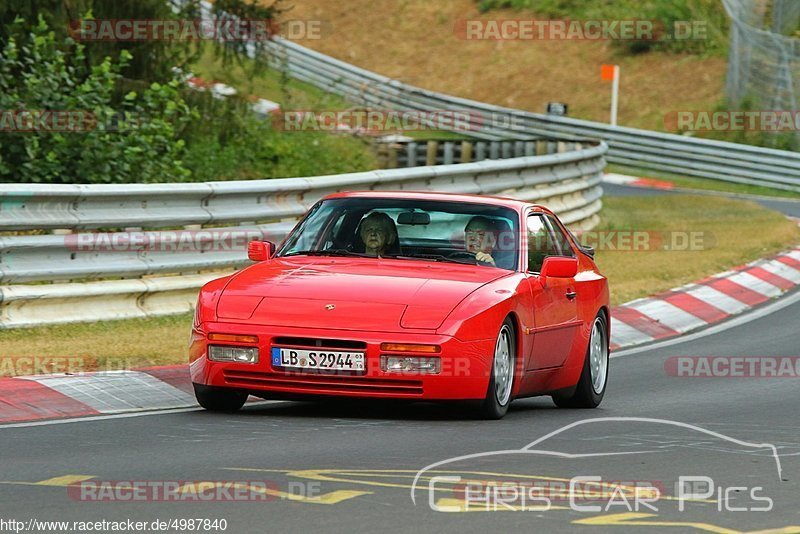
point(571, 295)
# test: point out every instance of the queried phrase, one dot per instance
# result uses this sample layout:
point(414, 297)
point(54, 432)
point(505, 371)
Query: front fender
point(479, 315)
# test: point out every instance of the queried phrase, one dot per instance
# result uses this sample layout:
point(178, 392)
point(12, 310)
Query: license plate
point(318, 359)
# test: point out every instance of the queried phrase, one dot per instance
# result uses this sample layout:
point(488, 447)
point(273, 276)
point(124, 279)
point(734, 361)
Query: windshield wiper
point(330, 252)
point(432, 257)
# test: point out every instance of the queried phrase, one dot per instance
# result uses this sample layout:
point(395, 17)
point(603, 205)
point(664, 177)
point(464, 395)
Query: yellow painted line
point(336, 475)
point(57, 482)
point(333, 497)
point(318, 474)
point(64, 481)
point(633, 519)
point(610, 489)
point(462, 507)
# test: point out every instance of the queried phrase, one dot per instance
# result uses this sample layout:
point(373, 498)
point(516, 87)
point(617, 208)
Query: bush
point(227, 141)
point(136, 140)
point(141, 131)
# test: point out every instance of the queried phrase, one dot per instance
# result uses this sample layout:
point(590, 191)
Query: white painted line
point(718, 299)
point(782, 270)
point(756, 284)
point(795, 254)
point(669, 315)
point(91, 419)
point(118, 391)
point(624, 335)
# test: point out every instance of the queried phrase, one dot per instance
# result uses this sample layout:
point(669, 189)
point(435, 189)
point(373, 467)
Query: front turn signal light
point(410, 347)
point(236, 338)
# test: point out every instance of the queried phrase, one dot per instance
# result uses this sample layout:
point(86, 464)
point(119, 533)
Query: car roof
point(506, 202)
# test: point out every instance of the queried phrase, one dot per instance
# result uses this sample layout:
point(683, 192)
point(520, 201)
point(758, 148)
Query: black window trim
point(533, 212)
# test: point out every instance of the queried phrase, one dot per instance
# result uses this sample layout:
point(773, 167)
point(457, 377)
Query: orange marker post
point(610, 73)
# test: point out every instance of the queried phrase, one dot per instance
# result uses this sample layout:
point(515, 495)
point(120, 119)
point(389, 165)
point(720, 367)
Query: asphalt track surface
point(338, 467)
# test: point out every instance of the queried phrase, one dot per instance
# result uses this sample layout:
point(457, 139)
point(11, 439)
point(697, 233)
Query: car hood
point(350, 293)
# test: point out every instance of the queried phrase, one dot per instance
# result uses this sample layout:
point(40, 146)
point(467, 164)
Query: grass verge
point(104, 345)
point(738, 231)
point(733, 231)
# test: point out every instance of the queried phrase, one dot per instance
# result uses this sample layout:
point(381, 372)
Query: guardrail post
point(411, 154)
point(541, 147)
point(433, 148)
point(448, 152)
point(466, 151)
point(480, 151)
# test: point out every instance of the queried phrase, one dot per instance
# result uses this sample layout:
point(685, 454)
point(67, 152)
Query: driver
point(480, 237)
point(378, 232)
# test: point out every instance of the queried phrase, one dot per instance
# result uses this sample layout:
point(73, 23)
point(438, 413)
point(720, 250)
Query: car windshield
point(407, 229)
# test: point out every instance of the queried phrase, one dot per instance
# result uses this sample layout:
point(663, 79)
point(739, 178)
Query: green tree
point(153, 60)
point(136, 140)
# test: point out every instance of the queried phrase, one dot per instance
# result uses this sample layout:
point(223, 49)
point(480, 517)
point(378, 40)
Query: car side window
point(561, 239)
point(540, 243)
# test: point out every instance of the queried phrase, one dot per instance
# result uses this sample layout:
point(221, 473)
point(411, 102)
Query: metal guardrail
point(731, 162)
point(87, 221)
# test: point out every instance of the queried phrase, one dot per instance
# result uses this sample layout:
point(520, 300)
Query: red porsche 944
point(409, 295)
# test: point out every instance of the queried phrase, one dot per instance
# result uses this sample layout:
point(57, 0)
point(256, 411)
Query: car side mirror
point(260, 250)
point(558, 267)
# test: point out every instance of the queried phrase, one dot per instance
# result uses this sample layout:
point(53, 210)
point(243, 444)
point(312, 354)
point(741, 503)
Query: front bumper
point(464, 375)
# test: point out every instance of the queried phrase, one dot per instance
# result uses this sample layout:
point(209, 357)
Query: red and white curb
point(669, 314)
point(635, 181)
point(32, 398)
point(703, 303)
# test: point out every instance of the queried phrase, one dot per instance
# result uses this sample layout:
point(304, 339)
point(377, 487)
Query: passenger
point(480, 237)
point(379, 234)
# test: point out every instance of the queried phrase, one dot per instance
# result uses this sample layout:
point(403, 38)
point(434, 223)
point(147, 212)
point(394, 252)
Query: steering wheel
point(462, 254)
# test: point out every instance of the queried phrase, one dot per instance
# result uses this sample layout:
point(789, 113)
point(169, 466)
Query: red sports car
point(408, 295)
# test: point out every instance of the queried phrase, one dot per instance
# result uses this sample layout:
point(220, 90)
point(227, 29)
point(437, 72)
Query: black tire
point(492, 407)
point(216, 399)
point(585, 395)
